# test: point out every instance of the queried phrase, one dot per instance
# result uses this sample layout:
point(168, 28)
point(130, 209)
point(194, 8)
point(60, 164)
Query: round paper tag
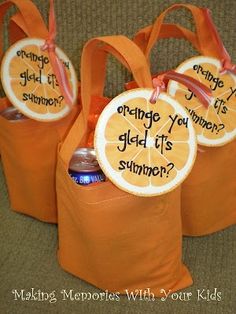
point(145, 149)
point(30, 84)
point(215, 125)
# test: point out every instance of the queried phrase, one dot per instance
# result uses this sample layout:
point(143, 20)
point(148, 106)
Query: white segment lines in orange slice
point(42, 102)
point(222, 119)
point(110, 128)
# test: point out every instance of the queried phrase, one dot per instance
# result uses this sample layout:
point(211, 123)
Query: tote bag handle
point(129, 54)
point(166, 31)
point(205, 42)
point(17, 28)
point(30, 20)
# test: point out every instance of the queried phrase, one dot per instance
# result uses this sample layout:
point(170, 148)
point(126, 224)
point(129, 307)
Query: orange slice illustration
point(145, 149)
point(215, 125)
point(30, 84)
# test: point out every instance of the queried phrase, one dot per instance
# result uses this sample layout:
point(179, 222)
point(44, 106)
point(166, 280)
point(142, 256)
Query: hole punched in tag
point(203, 93)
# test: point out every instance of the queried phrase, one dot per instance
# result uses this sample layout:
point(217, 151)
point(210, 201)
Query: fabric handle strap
point(205, 45)
point(17, 28)
point(32, 18)
point(166, 31)
point(223, 55)
point(96, 49)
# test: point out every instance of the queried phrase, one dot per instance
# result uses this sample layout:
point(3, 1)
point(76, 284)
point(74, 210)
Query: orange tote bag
point(16, 30)
point(108, 237)
point(28, 147)
point(208, 195)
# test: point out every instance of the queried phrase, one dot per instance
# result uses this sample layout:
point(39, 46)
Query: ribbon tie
point(159, 86)
point(49, 45)
point(203, 93)
point(227, 65)
point(56, 63)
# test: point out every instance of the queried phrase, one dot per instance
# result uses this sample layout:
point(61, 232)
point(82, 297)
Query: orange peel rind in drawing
point(30, 84)
point(215, 125)
point(143, 148)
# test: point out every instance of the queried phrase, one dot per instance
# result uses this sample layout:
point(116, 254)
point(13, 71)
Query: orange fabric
point(31, 16)
point(208, 201)
point(149, 35)
point(17, 28)
point(28, 152)
point(98, 104)
point(110, 238)
point(28, 148)
point(165, 30)
point(202, 40)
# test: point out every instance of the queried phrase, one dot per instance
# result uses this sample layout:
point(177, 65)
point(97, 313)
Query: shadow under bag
point(28, 147)
point(208, 195)
point(108, 237)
